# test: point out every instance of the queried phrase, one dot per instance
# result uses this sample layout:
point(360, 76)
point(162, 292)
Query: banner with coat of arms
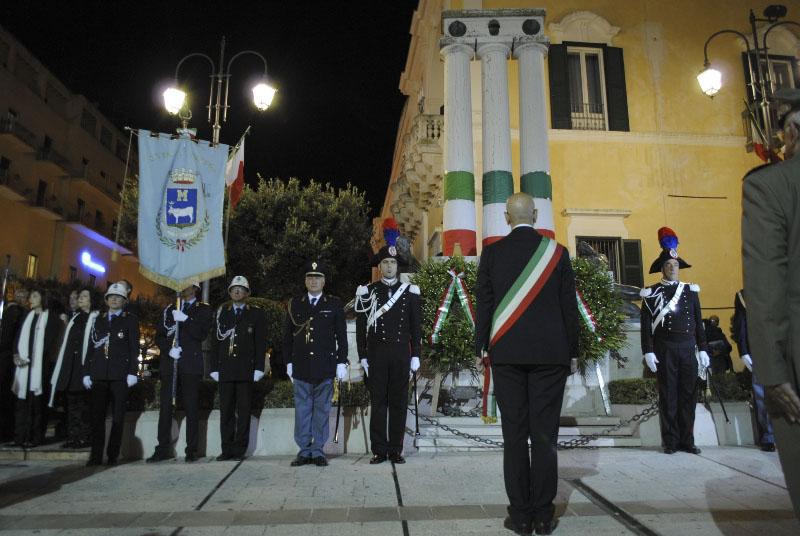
point(181, 193)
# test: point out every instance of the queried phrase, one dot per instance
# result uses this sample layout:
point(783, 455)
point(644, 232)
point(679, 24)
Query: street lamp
point(759, 107)
point(175, 99)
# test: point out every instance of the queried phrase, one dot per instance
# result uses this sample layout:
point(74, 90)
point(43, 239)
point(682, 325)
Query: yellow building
point(634, 144)
point(61, 172)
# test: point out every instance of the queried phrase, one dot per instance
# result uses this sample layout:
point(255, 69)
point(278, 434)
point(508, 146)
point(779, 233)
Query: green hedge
point(632, 390)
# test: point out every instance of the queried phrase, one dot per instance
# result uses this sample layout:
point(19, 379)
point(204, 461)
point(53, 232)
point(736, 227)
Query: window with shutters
point(587, 87)
point(624, 257)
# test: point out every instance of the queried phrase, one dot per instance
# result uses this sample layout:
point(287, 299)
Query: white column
point(534, 151)
point(459, 179)
point(498, 182)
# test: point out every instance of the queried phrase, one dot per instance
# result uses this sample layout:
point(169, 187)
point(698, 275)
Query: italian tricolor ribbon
point(585, 312)
point(455, 288)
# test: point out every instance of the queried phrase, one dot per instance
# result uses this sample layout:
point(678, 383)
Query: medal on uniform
point(230, 344)
point(121, 334)
point(105, 346)
point(249, 329)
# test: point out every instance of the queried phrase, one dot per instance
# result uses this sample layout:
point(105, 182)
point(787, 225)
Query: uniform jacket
point(402, 324)
point(771, 258)
point(684, 324)
point(740, 326)
point(547, 332)
point(191, 334)
point(123, 347)
point(314, 338)
point(238, 345)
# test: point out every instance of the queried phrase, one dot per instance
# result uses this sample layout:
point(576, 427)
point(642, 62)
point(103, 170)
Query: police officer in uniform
point(671, 328)
point(389, 336)
point(110, 371)
point(238, 357)
point(314, 350)
point(193, 322)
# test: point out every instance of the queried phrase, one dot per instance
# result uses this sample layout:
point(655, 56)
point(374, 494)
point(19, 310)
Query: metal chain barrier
point(582, 441)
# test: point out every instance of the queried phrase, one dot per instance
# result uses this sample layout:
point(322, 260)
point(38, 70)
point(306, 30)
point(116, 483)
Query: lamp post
point(175, 98)
point(761, 84)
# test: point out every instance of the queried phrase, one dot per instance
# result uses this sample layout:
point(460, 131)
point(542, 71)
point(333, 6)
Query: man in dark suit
point(238, 357)
point(13, 315)
point(110, 371)
point(193, 322)
point(527, 319)
point(314, 350)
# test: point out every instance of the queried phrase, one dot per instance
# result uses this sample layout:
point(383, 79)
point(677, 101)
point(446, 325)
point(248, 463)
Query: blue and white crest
point(181, 208)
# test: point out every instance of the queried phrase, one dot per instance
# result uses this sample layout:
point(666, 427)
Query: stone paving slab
point(723, 491)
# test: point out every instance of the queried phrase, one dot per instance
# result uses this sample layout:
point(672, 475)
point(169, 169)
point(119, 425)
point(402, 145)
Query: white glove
point(704, 359)
point(414, 364)
point(748, 362)
point(132, 380)
point(175, 352)
point(341, 371)
point(651, 360)
point(87, 382)
point(365, 366)
point(18, 361)
point(214, 376)
point(179, 316)
point(289, 372)
point(257, 375)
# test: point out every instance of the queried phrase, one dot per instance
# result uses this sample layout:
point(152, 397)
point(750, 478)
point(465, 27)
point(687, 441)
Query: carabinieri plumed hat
point(669, 250)
point(390, 234)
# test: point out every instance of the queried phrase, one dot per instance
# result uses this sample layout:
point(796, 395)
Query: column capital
point(530, 44)
point(448, 48)
point(488, 47)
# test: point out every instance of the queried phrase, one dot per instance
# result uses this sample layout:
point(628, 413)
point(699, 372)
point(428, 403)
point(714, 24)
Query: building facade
point(599, 116)
point(62, 167)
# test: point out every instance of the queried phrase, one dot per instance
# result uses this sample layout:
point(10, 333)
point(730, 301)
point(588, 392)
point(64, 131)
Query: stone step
point(52, 452)
point(459, 444)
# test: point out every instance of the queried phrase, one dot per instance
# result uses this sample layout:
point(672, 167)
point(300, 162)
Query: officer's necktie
point(238, 311)
point(313, 302)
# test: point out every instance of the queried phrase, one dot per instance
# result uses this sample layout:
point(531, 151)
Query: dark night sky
point(336, 64)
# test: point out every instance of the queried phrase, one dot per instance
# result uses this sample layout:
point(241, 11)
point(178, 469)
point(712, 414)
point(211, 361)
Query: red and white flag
point(234, 174)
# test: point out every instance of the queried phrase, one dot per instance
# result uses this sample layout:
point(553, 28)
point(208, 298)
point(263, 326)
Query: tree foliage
point(281, 225)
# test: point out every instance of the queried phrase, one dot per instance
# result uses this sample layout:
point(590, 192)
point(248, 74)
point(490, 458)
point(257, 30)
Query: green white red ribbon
point(586, 313)
point(455, 288)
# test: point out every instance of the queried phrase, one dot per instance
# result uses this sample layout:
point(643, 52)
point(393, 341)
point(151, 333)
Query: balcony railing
point(11, 125)
point(48, 154)
point(427, 128)
point(588, 116)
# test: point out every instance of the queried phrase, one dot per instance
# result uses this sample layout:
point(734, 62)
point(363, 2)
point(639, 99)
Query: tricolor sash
point(526, 288)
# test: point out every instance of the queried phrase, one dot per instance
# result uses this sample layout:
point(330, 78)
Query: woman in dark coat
point(68, 372)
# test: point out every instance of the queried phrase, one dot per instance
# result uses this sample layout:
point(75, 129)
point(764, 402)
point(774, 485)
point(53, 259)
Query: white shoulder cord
point(221, 336)
point(170, 330)
point(369, 306)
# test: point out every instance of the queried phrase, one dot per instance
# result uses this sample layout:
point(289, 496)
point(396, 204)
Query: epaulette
point(362, 290)
point(645, 292)
point(414, 289)
point(694, 287)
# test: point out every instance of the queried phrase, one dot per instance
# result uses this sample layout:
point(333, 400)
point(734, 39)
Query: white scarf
point(34, 356)
point(57, 370)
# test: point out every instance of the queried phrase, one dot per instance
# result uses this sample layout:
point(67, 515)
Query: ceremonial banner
point(181, 191)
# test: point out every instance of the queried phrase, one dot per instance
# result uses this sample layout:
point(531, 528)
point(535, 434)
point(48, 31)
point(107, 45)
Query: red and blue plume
point(667, 238)
point(390, 231)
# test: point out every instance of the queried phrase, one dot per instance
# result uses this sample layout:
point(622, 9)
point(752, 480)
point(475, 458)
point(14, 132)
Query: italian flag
point(234, 174)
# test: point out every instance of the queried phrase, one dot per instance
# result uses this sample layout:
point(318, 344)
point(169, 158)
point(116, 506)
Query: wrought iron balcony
point(10, 126)
point(588, 116)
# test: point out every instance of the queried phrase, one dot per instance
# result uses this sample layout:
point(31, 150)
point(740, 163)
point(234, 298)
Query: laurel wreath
point(191, 242)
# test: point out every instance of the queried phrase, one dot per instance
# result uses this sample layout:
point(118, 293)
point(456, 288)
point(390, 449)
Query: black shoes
point(192, 457)
point(156, 457)
point(691, 450)
point(320, 461)
point(397, 458)
point(224, 457)
point(669, 450)
point(93, 462)
point(111, 462)
point(768, 447)
point(300, 461)
point(378, 458)
point(524, 530)
point(545, 527)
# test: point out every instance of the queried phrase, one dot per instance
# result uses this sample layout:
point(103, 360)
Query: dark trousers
point(29, 423)
point(78, 427)
point(529, 398)
point(188, 388)
point(677, 392)
point(389, 365)
point(235, 399)
point(7, 398)
point(105, 392)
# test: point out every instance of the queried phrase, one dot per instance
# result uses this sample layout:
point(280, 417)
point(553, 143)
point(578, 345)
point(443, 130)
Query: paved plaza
point(725, 490)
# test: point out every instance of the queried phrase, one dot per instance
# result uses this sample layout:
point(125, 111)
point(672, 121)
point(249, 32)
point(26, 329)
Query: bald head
point(520, 209)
